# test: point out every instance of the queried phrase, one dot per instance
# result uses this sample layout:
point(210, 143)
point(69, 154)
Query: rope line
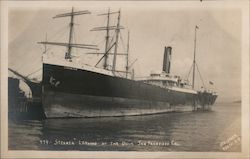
point(189, 71)
point(200, 75)
point(34, 72)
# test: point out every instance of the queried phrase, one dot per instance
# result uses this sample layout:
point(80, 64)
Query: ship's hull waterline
point(71, 92)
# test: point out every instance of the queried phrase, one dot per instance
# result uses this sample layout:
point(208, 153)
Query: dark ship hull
point(74, 92)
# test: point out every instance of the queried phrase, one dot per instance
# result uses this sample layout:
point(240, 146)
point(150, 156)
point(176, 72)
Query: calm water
point(192, 131)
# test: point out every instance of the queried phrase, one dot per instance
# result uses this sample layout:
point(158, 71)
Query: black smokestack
point(167, 59)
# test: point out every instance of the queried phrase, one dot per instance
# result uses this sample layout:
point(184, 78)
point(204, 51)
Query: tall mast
point(69, 45)
point(116, 41)
point(108, 46)
point(127, 56)
point(196, 27)
point(71, 25)
point(107, 42)
point(45, 45)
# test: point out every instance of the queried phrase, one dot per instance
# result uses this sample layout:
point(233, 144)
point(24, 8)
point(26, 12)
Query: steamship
point(72, 89)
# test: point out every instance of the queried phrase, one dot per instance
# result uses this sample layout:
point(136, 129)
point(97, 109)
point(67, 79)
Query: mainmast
point(108, 47)
point(69, 45)
point(107, 42)
point(127, 67)
point(194, 62)
point(116, 41)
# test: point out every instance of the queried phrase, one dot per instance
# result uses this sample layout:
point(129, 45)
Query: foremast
point(109, 43)
point(70, 44)
point(71, 25)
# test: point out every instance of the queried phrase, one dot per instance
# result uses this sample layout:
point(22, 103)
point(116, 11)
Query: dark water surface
point(218, 130)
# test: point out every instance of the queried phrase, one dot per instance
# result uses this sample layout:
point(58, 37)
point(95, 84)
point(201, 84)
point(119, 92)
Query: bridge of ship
point(165, 80)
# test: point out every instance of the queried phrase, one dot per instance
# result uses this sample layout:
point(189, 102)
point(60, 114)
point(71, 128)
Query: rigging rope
point(123, 45)
point(29, 64)
point(198, 72)
point(59, 33)
point(34, 72)
point(200, 76)
point(95, 38)
point(190, 71)
point(74, 40)
point(113, 36)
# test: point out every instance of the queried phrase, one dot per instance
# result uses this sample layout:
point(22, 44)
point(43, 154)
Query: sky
point(218, 51)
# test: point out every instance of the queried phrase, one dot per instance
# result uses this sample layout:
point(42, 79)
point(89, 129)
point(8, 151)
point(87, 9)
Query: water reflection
point(199, 131)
